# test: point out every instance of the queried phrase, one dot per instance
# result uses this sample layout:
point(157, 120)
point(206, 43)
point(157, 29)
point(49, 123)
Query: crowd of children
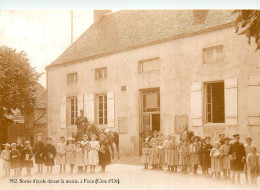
point(222, 159)
point(80, 154)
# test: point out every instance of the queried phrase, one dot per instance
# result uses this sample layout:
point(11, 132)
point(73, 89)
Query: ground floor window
point(102, 109)
point(73, 110)
point(215, 103)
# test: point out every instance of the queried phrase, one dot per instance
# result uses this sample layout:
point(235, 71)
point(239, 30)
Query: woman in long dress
point(93, 153)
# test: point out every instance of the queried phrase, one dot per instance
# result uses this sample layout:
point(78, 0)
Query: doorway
point(150, 112)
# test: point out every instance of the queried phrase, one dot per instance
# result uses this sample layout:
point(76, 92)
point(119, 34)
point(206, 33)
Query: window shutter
point(231, 101)
point(63, 112)
point(110, 109)
point(80, 103)
point(253, 100)
point(196, 104)
point(89, 102)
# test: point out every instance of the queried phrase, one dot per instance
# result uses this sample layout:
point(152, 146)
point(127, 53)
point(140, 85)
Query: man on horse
point(82, 124)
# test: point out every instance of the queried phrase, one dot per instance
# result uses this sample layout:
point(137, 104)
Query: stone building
point(161, 68)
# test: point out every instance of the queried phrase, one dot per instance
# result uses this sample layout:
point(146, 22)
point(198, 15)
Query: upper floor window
point(72, 78)
point(101, 73)
point(213, 54)
point(73, 110)
point(149, 65)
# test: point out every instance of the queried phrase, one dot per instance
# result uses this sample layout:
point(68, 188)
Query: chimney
point(99, 15)
point(199, 16)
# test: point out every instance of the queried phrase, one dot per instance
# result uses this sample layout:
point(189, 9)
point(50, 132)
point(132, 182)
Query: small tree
point(248, 23)
point(18, 82)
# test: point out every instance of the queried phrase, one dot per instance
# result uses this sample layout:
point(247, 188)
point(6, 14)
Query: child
point(154, 153)
point(26, 157)
point(20, 147)
point(206, 159)
point(93, 153)
point(85, 145)
point(168, 154)
point(79, 159)
point(104, 153)
point(161, 156)
point(145, 156)
point(38, 153)
point(225, 148)
point(70, 154)
point(253, 165)
point(61, 154)
point(184, 155)
point(14, 159)
point(216, 158)
point(6, 155)
point(49, 154)
point(194, 153)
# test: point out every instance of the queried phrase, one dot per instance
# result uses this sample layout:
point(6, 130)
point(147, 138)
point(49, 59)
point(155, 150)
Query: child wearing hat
point(184, 152)
point(225, 148)
point(194, 153)
point(70, 154)
point(85, 145)
point(49, 154)
point(93, 153)
point(61, 154)
point(206, 159)
point(253, 165)
point(6, 155)
point(145, 156)
point(26, 157)
point(216, 160)
point(154, 152)
point(14, 159)
point(38, 153)
point(79, 158)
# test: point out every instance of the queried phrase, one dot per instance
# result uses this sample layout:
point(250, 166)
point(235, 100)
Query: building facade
point(208, 78)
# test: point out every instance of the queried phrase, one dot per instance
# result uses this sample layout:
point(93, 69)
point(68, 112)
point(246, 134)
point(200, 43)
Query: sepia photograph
point(130, 99)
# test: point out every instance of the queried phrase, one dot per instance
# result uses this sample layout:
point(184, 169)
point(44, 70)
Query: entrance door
point(156, 122)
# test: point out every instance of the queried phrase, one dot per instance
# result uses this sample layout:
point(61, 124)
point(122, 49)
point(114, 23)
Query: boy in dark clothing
point(49, 154)
point(38, 153)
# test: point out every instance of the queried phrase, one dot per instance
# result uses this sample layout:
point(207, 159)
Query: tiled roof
point(127, 29)
point(41, 100)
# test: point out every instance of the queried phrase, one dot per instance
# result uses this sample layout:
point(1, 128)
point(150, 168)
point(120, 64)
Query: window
point(149, 65)
point(101, 73)
point(215, 107)
point(73, 110)
point(213, 54)
point(72, 78)
point(102, 109)
point(151, 100)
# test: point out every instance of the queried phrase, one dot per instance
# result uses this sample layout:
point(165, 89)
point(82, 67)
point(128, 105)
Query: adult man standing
point(221, 138)
point(248, 148)
point(186, 134)
point(237, 158)
point(82, 123)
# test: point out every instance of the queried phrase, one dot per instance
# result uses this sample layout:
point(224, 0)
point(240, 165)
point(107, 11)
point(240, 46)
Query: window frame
point(104, 110)
point(140, 65)
point(72, 121)
point(104, 73)
point(71, 76)
point(205, 100)
point(214, 49)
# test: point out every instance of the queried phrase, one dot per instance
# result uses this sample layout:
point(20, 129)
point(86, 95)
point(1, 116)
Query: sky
point(42, 34)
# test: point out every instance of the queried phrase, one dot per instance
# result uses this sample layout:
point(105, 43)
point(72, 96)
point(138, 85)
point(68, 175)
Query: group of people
point(223, 158)
point(81, 154)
